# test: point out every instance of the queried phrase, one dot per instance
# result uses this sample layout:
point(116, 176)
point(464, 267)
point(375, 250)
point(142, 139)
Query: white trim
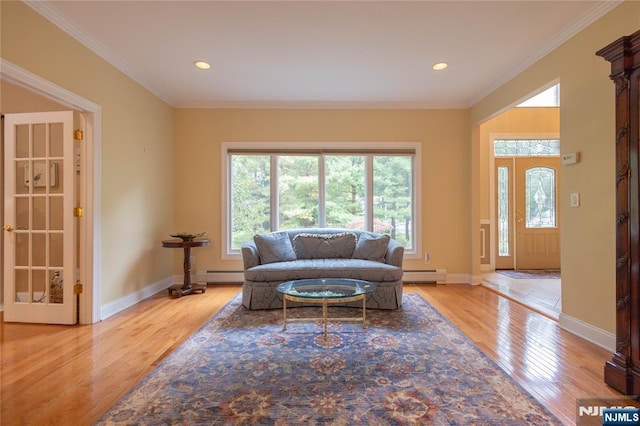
point(484, 237)
point(592, 15)
point(595, 335)
point(439, 276)
point(470, 279)
point(119, 305)
point(274, 196)
point(225, 239)
point(368, 191)
point(90, 299)
point(322, 105)
point(493, 220)
point(322, 198)
point(52, 15)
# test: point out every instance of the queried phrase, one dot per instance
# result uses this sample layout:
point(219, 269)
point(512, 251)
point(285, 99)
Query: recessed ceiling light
point(440, 66)
point(202, 65)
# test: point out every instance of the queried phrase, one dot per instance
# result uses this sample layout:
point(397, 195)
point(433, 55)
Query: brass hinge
point(78, 135)
point(77, 288)
point(78, 212)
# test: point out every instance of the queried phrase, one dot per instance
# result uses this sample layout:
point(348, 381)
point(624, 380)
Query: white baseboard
point(595, 335)
point(460, 279)
point(123, 303)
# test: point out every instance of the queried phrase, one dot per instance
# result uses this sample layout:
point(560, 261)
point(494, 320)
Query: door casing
point(91, 162)
point(40, 246)
point(508, 262)
point(536, 248)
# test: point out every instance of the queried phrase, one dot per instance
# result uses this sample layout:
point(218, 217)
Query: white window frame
point(364, 147)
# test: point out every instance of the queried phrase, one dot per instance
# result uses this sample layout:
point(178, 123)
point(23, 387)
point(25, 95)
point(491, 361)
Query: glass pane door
point(39, 232)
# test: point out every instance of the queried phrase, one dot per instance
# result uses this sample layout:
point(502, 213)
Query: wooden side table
point(186, 287)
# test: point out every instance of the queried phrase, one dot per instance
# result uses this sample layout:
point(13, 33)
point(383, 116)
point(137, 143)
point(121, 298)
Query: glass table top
point(325, 288)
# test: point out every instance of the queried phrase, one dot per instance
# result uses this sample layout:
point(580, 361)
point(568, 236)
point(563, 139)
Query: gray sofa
point(273, 258)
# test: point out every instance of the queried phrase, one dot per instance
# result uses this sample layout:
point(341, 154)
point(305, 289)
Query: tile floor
point(542, 295)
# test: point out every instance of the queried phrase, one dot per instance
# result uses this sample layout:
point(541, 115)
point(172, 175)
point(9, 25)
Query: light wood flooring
point(62, 375)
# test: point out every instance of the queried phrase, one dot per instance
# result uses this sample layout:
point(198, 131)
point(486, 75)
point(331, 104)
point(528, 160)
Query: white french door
point(39, 232)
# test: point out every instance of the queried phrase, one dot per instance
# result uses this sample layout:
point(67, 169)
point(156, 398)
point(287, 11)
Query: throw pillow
point(372, 247)
point(324, 246)
point(274, 247)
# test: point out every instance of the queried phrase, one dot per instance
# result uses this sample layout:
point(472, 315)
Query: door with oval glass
point(39, 235)
point(537, 213)
point(527, 213)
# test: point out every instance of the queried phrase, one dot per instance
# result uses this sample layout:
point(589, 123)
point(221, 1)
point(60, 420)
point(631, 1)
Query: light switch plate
point(575, 199)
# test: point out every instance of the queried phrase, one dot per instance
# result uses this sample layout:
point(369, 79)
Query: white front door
point(39, 232)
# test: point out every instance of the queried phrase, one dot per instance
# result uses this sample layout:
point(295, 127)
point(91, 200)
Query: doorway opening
point(523, 153)
point(89, 300)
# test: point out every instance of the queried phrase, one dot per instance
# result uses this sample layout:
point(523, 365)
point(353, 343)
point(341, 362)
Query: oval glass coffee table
point(325, 291)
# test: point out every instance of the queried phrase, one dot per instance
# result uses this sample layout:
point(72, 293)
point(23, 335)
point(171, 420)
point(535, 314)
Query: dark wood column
point(622, 372)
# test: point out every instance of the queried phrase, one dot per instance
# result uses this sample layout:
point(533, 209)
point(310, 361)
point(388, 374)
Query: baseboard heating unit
point(219, 277)
point(427, 276)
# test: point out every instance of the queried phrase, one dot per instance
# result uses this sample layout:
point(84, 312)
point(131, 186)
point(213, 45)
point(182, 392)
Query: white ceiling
point(371, 54)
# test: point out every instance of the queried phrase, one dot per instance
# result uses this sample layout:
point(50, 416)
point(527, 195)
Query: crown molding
point(595, 13)
point(52, 15)
point(19, 76)
point(321, 105)
point(49, 13)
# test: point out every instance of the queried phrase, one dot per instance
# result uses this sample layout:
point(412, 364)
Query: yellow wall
point(143, 186)
point(444, 135)
point(137, 148)
point(516, 121)
point(587, 126)
point(14, 99)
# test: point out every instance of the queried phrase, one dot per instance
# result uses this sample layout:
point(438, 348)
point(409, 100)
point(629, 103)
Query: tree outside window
point(369, 191)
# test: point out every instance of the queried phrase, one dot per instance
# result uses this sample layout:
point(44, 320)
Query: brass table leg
point(284, 311)
point(324, 317)
point(364, 313)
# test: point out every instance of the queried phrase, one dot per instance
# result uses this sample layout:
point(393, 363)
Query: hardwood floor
point(62, 375)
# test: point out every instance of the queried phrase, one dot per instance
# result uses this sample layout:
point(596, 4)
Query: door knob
point(520, 220)
point(8, 228)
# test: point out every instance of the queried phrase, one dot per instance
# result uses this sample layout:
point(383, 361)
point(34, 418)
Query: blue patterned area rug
point(410, 366)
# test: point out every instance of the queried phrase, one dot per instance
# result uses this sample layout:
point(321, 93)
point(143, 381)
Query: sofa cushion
point(324, 268)
point(324, 246)
point(274, 247)
point(371, 247)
